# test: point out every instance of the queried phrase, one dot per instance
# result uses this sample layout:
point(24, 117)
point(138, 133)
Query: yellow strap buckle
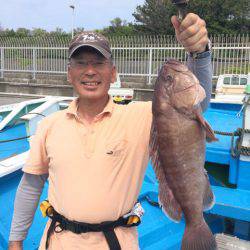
point(134, 216)
point(117, 99)
point(133, 219)
point(46, 208)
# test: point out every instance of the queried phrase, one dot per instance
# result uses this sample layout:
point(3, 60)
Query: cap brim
point(105, 53)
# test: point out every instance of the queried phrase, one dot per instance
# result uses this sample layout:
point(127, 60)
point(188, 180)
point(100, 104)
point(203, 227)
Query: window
point(243, 81)
point(235, 80)
point(226, 80)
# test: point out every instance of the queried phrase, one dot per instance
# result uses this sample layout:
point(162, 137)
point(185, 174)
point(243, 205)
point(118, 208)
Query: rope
point(245, 151)
point(238, 149)
point(224, 133)
point(238, 132)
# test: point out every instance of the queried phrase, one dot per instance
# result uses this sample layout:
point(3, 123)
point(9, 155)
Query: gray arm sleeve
point(26, 201)
point(202, 68)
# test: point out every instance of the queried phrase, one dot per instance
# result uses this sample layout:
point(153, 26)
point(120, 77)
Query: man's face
point(90, 73)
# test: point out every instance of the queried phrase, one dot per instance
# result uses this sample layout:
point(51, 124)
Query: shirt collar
point(73, 106)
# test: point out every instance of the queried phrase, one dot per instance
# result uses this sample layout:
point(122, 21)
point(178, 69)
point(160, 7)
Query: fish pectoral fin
point(210, 136)
point(208, 198)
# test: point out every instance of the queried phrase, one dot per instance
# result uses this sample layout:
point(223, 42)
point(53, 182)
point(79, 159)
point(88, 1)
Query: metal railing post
point(34, 64)
point(2, 62)
point(150, 66)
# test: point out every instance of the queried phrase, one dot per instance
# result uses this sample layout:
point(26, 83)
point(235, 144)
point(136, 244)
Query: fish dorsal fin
point(166, 198)
point(210, 136)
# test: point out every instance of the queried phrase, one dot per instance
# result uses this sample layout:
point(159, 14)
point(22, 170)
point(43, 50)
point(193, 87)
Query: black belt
point(60, 223)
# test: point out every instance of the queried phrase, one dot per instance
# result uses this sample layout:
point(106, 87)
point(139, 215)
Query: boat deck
point(156, 232)
point(227, 242)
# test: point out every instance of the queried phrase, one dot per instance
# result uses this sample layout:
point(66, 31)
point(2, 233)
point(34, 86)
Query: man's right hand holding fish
point(179, 132)
point(191, 33)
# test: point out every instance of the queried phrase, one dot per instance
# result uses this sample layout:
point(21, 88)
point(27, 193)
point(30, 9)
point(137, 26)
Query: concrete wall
point(36, 89)
point(44, 84)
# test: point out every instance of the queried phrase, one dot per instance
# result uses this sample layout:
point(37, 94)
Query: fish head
point(181, 85)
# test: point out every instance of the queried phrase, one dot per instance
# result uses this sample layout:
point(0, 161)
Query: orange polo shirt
point(95, 172)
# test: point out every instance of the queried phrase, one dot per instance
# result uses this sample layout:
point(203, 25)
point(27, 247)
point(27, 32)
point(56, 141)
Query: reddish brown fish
point(177, 151)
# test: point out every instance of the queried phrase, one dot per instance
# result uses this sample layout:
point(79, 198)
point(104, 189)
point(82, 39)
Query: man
point(96, 152)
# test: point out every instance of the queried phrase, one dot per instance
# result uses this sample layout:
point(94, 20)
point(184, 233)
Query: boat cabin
point(232, 87)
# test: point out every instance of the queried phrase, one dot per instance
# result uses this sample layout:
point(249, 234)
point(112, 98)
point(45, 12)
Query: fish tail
point(197, 238)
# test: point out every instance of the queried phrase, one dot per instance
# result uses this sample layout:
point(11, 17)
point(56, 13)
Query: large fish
point(177, 150)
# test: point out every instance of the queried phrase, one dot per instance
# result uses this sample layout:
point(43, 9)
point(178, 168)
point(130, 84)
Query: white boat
point(231, 88)
point(18, 123)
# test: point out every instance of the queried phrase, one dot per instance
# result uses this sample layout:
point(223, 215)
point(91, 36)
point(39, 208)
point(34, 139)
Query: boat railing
point(50, 106)
point(16, 109)
point(47, 106)
point(12, 164)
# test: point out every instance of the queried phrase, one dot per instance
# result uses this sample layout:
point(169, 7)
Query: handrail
point(17, 108)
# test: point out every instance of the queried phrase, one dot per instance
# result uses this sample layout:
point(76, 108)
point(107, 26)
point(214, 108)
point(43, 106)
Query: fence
point(134, 56)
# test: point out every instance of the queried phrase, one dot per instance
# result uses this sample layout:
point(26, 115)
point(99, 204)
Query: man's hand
point(191, 33)
point(15, 245)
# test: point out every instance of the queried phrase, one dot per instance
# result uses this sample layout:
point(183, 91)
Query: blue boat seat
point(233, 203)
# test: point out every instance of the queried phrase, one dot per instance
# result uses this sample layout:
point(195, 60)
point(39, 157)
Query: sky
point(50, 14)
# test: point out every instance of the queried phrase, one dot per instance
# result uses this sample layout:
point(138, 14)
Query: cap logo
point(89, 37)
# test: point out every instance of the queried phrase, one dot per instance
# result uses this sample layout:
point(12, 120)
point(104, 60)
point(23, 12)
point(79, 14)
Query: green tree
point(221, 16)
point(154, 17)
point(39, 32)
point(22, 32)
point(8, 32)
point(58, 32)
point(119, 27)
point(116, 22)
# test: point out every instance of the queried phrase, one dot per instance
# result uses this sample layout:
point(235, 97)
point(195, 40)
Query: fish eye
point(169, 78)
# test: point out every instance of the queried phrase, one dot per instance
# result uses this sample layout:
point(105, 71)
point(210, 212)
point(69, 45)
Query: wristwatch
point(203, 54)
